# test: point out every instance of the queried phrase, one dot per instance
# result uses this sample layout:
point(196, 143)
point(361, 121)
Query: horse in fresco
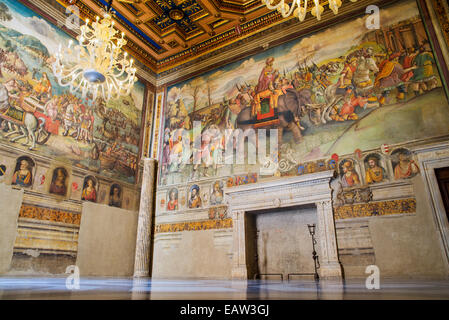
point(361, 81)
point(291, 106)
point(29, 128)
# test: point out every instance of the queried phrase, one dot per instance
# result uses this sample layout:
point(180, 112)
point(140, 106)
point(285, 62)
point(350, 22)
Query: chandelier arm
point(292, 7)
point(95, 92)
point(79, 50)
point(72, 88)
point(60, 66)
point(112, 58)
point(69, 83)
point(61, 77)
point(317, 11)
point(85, 89)
point(128, 78)
point(302, 13)
point(108, 87)
point(129, 86)
point(121, 71)
point(72, 81)
point(114, 83)
point(70, 73)
point(333, 6)
point(130, 75)
point(102, 92)
point(281, 6)
point(86, 33)
point(101, 67)
point(269, 6)
point(118, 86)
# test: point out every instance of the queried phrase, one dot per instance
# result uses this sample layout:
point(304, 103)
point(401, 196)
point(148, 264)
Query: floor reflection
point(144, 288)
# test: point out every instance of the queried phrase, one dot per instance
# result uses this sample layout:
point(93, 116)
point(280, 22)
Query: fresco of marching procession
point(38, 114)
point(333, 92)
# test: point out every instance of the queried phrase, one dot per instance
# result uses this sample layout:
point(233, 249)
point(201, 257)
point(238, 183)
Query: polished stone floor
point(55, 288)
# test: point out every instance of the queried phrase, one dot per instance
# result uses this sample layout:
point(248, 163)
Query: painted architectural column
point(144, 231)
point(328, 256)
point(239, 268)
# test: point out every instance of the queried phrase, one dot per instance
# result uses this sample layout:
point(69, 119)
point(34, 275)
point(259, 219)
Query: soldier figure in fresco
point(366, 66)
point(423, 78)
point(69, 118)
point(345, 82)
point(390, 77)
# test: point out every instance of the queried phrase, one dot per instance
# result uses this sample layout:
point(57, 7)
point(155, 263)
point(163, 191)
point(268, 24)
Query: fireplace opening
point(278, 243)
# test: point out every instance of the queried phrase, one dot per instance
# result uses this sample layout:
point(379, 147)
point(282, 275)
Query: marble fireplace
point(311, 189)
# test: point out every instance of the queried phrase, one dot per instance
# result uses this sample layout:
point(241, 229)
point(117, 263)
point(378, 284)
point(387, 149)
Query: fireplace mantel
point(286, 192)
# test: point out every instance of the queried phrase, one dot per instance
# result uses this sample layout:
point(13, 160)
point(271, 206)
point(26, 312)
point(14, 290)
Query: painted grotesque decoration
point(45, 117)
point(342, 89)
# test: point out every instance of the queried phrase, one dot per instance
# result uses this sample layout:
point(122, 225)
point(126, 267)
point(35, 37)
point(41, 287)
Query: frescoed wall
point(75, 151)
point(94, 135)
point(369, 104)
point(331, 92)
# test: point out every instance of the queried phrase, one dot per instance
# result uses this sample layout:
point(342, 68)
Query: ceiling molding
point(289, 30)
point(224, 43)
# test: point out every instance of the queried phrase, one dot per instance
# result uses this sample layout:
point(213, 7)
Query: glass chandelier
point(301, 7)
point(100, 66)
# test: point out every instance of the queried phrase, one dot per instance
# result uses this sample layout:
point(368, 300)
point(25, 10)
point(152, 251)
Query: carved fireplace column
point(239, 268)
point(144, 231)
point(328, 256)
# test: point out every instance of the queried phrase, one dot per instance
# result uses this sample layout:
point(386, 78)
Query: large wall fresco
point(342, 89)
point(94, 135)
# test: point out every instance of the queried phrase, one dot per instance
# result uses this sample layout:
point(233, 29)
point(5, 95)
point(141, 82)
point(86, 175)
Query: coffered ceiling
point(165, 34)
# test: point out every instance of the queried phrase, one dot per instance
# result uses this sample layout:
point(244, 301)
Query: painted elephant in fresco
point(291, 107)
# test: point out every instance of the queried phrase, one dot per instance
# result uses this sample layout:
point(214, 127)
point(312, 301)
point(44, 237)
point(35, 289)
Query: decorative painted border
point(194, 226)
point(226, 37)
point(148, 125)
point(193, 55)
point(48, 214)
point(382, 208)
point(158, 118)
point(443, 18)
point(239, 180)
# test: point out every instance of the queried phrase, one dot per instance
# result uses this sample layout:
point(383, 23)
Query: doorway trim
point(300, 190)
point(432, 158)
